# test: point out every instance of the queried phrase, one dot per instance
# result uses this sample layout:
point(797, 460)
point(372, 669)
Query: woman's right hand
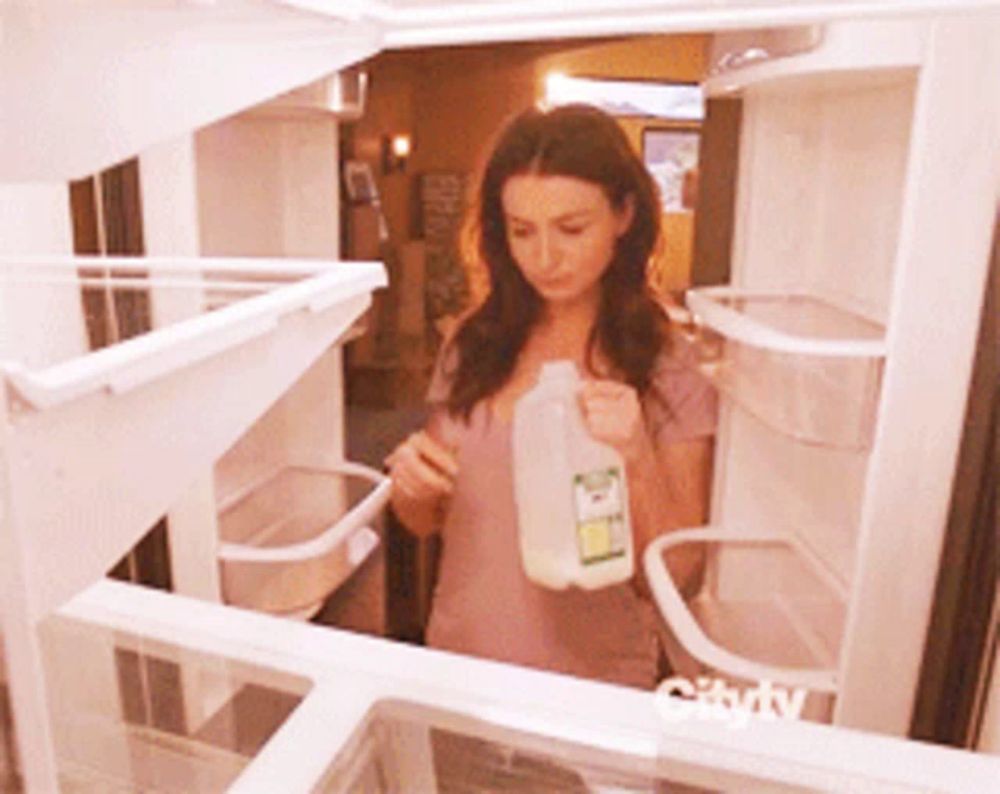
point(422, 469)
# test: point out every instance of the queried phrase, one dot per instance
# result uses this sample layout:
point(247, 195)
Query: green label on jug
point(600, 515)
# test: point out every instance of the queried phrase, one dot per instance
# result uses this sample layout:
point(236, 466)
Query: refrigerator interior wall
point(284, 204)
point(821, 187)
point(40, 326)
point(267, 185)
point(823, 170)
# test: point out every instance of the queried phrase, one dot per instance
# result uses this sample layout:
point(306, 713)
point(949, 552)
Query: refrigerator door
point(846, 446)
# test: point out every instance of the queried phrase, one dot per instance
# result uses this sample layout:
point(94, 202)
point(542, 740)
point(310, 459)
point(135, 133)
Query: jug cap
point(563, 369)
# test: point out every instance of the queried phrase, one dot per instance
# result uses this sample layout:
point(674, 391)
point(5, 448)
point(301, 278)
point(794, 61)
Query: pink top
point(484, 604)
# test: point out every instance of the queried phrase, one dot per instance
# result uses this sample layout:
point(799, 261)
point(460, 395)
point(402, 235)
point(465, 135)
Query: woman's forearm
point(423, 472)
point(668, 490)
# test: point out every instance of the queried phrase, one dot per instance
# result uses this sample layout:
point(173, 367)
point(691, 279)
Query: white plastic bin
point(782, 625)
point(802, 365)
point(294, 537)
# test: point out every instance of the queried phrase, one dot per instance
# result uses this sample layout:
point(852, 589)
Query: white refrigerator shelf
point(271, 290)
point(796, 323)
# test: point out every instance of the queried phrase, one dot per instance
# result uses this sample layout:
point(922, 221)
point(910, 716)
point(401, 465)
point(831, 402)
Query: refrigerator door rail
point(411, 24)
point(715, 307)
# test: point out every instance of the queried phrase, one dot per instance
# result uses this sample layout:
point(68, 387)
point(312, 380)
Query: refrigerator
point(842, 341)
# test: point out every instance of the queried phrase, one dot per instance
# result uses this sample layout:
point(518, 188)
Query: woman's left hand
point(613, 416)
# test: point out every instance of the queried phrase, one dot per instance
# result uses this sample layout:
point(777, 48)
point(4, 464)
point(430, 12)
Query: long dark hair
point(631, 327)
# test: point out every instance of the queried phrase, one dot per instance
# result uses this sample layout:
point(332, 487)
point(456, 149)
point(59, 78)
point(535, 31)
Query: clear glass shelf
point(404, 752)
point(131, 714)
point(381, 716)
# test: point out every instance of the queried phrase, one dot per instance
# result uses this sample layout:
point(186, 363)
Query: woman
point(566, 222)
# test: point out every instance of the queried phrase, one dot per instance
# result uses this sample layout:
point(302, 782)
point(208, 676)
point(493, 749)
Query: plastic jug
point(570, 490)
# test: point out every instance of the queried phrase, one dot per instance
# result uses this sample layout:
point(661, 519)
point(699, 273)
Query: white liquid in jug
point(570, 490)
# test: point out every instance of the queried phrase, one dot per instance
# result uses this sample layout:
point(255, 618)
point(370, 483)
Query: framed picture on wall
point(359, 182)
point(671, 156)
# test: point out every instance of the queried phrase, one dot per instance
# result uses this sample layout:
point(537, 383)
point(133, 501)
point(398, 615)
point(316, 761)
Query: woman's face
point(561, 232)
